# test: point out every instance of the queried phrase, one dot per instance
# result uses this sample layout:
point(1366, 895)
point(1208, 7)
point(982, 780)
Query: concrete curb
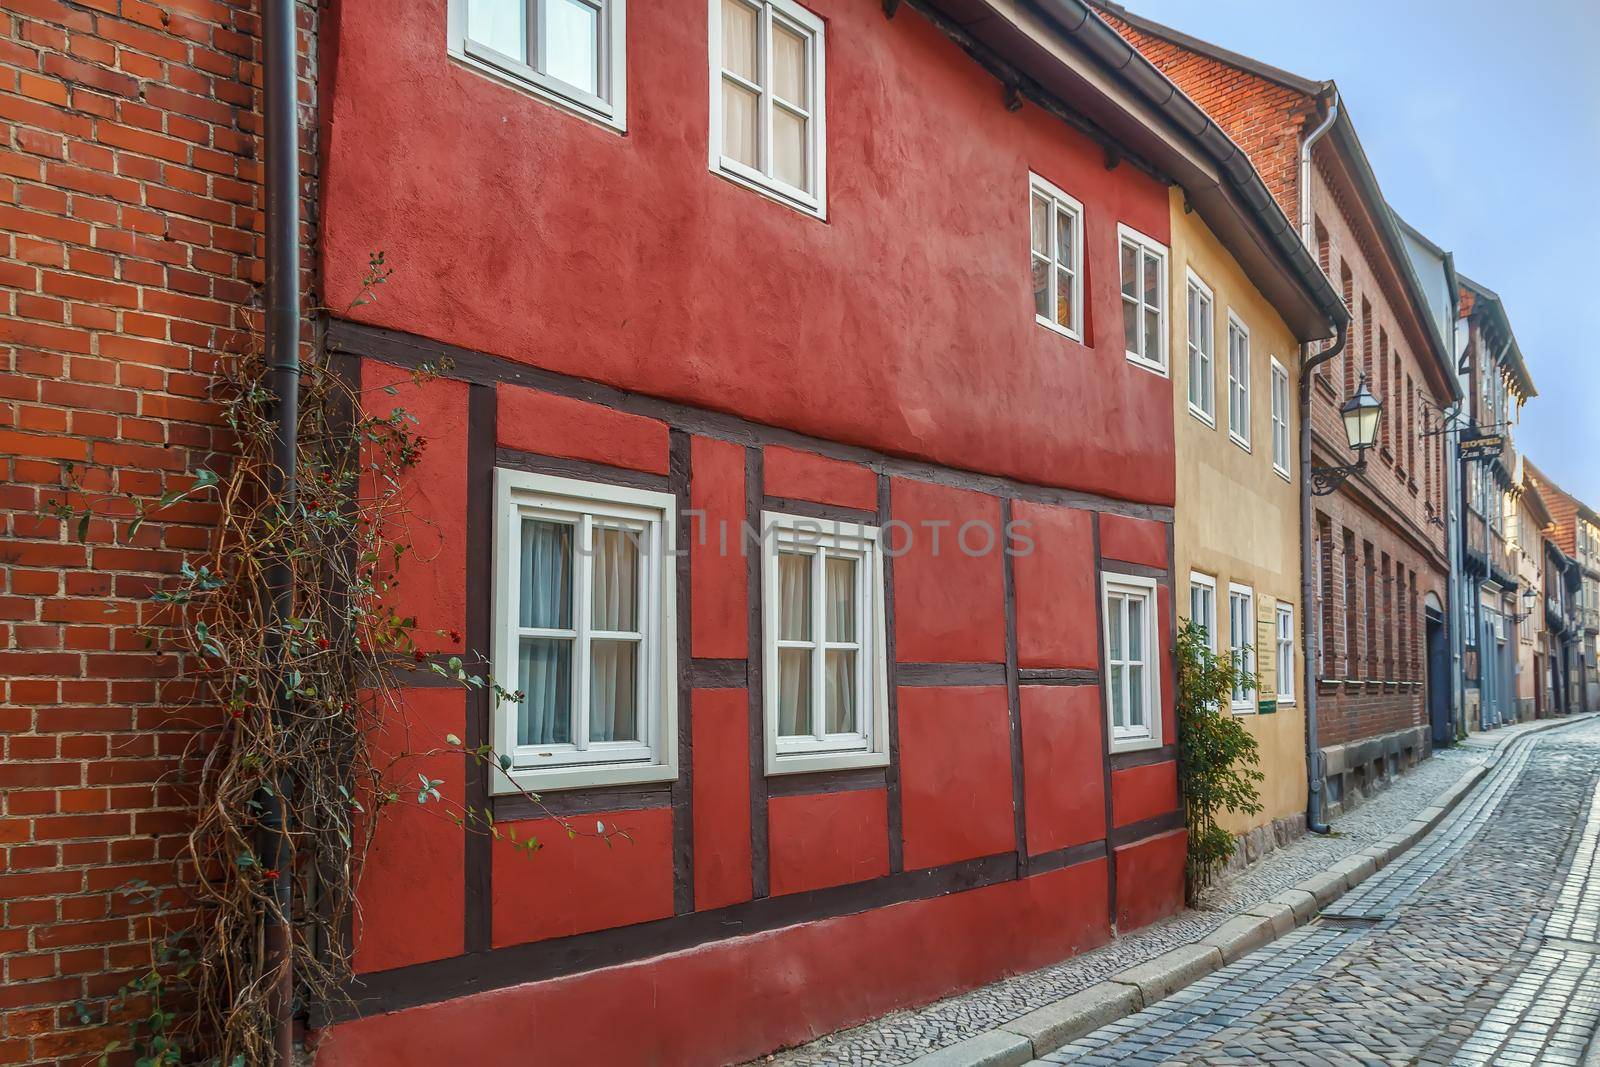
point(1046, 1029)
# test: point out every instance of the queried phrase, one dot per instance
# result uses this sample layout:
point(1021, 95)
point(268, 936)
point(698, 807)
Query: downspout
point(1315, 821)
point(281, 168)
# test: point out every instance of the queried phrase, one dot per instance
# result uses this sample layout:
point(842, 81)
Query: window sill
point(1134, 744)
point(1203, 417)
point(611, 119)
point(1282, 472)
point(809, 762)
point(1251, 708)
point(742, 176)
point(1159, 369)
point(1055, 327)
point(548, 779)
point(1240, 441)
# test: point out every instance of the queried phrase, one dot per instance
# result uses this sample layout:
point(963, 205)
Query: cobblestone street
point(1478, 947)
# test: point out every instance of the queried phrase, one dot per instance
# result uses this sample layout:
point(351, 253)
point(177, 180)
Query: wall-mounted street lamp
point(1530, 600)
point(1360, 414)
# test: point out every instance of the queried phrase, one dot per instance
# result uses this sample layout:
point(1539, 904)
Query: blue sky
point(1482, 121)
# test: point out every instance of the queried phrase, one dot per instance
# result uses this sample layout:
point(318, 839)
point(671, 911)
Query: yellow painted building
point(1236, 527)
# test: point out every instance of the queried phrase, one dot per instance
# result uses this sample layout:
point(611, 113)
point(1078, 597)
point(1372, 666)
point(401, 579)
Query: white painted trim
point(1060, 200)
point(755, 178)
point(1243, 442)
point(1284, 608)
point(829, 752)
point(1159, 250)
point(609, 108)
point(1275, 370)
point(1193, 279)
point(655, 757)
point(1246, 707)
point(1133, 585)
point(1201, 579)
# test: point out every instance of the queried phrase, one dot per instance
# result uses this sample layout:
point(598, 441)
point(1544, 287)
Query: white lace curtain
point(796, 667)
point(545, 671)
point(613, 668)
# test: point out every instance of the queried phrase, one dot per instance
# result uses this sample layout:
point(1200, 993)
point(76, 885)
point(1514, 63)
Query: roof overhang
point(1514, 361)
point(1069, 53)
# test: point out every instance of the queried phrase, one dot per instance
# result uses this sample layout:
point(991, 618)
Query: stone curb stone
point(1171, 970)
point(1303, 903)
point(1240, 935)
point(1282, 915)
point(1354, 869)
point(1048, 1028)
point(992, 1048)
point(1325, 888)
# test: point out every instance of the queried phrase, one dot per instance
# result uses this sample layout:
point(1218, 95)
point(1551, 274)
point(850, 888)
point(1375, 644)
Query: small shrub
point(1217, 757)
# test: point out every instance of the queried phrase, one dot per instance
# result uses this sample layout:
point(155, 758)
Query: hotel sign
point(1483, 446)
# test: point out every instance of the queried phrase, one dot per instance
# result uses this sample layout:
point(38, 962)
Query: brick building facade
point(1380, 538)
point(129, 230)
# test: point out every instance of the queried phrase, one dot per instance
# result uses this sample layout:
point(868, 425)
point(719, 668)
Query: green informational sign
point(1267, 707)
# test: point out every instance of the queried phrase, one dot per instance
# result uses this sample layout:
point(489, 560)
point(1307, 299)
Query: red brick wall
point(1263, 118)
point(128, 219)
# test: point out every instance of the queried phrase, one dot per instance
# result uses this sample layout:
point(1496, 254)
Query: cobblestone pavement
point(1477, 947)
point(901, 1037)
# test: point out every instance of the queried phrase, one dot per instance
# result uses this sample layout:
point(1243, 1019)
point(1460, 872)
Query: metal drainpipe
point(281, 169)
point(1308, 595)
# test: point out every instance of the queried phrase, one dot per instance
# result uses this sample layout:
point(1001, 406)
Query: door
point(1439, 683)
point(1538, 686)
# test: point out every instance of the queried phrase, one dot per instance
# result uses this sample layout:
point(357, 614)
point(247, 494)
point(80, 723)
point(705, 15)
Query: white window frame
point(609, 107)
point(1282, 448)
point(1148, 735)
point(1245, 704)
point(1237, 386)
point(1060, 203)
point(1127, 235)
point(802, 22)
point(653, 758)
point(1200, 293)
point(1284, 630)
point(1208, 585)
point(826, 537)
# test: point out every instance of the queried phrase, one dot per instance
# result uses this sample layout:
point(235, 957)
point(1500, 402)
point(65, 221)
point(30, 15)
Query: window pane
point(1152, 335)
point(1130, 270)
point(1135, 629)
point(499, 24)
point(1130, 324)
point(616, 580)
point(544, 674)
point(794, 597)
point(789, 66)
point(739, 40)
point(572, 43)
point(789, 148)
point(739, 107)
point(1152, 281)
point(1039, 232)
point(546, 594)
point(1116, 610)
point(614, 691)
point(1136, 695)
point(1119, 711)
point(1041, 287)
point(840, 589)
point(1066, 243)
point(794, 691)
point(841, 683)
point(1064, 298)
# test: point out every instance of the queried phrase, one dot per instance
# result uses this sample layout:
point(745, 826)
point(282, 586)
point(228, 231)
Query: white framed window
point(1285, 661)
point(1203, 605)
point(570, 52)
point(1280, 418)
point(1241, 642)
point(1133, 665)
point(1202, 334)
point(585, 628)
point(1056, 257)
point(767, 95)
point(825, 680)
point(1144, 298)
point(1238, 381)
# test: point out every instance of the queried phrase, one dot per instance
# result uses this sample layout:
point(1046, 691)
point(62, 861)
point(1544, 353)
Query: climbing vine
point(1217, 757)
point(298, 716)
